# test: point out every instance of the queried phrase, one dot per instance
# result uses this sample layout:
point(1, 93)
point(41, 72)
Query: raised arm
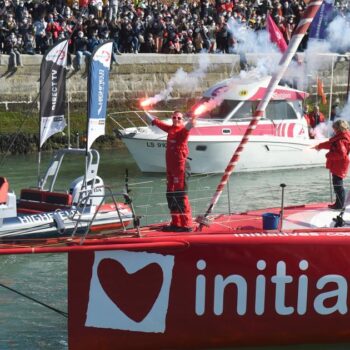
point(148, 118)
point(191, 123)
point(152, 120)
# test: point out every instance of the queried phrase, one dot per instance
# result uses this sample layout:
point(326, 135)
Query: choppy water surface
point(27, 325)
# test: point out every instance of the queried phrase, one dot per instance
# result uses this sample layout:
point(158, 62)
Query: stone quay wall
point(141, 75)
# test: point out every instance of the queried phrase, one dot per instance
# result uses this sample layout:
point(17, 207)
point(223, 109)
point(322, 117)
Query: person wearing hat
point(338, 159)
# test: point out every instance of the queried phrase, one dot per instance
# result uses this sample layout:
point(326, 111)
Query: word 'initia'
point(324, 302)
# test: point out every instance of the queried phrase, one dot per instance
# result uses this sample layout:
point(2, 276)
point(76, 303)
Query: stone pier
point(143, 75)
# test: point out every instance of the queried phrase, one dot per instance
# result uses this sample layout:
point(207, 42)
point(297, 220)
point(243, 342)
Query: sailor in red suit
point(313, 119)
point(338, 159)
point(176, 166)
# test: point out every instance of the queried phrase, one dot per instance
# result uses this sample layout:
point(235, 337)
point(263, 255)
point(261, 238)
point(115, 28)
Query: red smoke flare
point(147, 102)
point(200, 110)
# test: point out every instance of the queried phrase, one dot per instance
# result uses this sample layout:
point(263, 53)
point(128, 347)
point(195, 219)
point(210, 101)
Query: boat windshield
point(280, 110)
point(243, 110)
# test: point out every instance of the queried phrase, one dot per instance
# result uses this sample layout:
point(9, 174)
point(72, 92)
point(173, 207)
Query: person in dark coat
point(334, 113)
point(338, 159)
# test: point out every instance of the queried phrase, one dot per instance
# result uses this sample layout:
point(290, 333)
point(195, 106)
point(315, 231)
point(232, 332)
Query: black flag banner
point(53, 90)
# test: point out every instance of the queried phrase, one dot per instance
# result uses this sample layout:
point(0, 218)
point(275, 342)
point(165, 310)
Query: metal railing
point(116, 116)
point(85, 200)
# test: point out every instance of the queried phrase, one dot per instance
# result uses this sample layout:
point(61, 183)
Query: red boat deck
point(315, 216)
point(150, 289)
point(301, 218)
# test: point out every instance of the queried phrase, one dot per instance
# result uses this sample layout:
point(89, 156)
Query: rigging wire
point(62, 313)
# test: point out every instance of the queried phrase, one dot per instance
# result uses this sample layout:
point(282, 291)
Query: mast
point(348, 85)
point(331, 89)
point(68, 119)
point(294, 43)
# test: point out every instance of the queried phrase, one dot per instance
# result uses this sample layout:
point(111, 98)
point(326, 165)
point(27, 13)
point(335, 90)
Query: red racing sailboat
point(238, 279)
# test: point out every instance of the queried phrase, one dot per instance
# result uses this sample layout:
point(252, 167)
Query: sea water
point(27, 325)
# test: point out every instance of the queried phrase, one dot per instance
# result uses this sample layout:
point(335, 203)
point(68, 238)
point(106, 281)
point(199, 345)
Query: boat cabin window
point(221, 111)
point(245, 111)
point(276, 110)
point(279, 110)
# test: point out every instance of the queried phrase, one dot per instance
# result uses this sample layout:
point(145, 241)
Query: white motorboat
point(281, 139)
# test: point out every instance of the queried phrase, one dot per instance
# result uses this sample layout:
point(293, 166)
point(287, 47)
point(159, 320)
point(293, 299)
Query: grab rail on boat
point(138, 114)
point(85, 200)
point(126, 117)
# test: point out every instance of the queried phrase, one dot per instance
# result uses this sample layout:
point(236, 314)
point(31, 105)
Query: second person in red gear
point(338, 159)
point(313, 119)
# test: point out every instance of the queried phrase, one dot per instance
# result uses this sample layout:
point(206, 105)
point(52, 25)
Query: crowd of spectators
point(148, 26)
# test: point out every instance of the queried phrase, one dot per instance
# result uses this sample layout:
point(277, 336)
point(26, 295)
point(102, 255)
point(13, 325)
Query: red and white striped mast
point(294, 43)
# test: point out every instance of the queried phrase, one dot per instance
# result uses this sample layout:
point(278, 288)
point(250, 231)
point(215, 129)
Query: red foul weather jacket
point(337, 157)
point(176, 148)
point(313, 120)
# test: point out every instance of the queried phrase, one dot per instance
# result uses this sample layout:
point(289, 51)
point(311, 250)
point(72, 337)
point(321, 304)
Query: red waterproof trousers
point(178, 203)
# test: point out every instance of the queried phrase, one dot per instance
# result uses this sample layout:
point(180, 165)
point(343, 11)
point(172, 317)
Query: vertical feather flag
point(98, 87)
point(320, 23)
point(320, 91)
point(275, 34)
point(53, 90)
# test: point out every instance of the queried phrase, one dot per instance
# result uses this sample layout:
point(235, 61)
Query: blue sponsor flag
point(98, 87)
point(320, 22)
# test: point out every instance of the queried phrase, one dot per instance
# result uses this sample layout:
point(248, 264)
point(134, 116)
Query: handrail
point(135, 246)
point(141, 110)
point(223, 121)
point(85, 200)
point(114, 115)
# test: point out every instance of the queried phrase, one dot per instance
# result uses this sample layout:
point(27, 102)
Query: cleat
point(334, 206)
point(184, 229)
point(169, 228)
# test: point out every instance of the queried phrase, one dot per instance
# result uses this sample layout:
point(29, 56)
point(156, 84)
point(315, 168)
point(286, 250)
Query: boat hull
point(63, 223)
point(211, 155)
point(211, 290)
